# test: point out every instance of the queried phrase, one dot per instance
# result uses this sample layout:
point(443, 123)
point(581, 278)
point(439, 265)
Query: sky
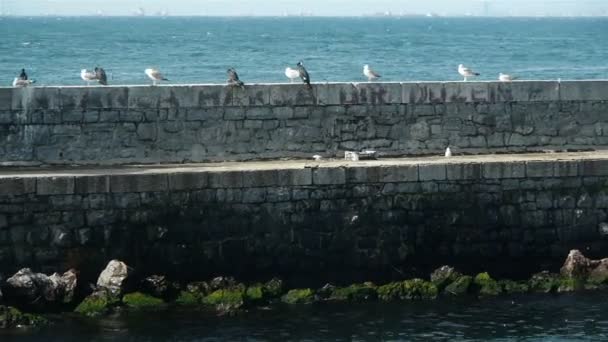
point(315, 7)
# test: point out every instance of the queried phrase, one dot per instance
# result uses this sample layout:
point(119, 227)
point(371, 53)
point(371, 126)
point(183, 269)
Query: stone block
point(364, 174)
point(466, 92)
point(17, 186)
point(138, 183)
point(92, 185)
point(295, 177)
point(33, 98)
point(144, 97)
point(258, 112)
point(339, 94)
point(292, 95)
point(6, 98)
point(499, 92)
point(423, 93)
point(259, 178)
point(54, 185)
point(187, 180)
point(329, 175)
point(112, 97)
point(539, 169)
point(178, 96)
point(584, 91)
point(251, 95)
point(399, 174)
point(463, 171)
point(533, 91)
point(594, 168)
point(566, 169)
point(211, 113)
point(213, 95)
point(427, 172)
point(225, 179)
point(379, 93)
point(147, 131)
point(504, 170)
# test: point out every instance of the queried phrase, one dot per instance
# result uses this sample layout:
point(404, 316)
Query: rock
point(486, 285)
point(199, 287)
point(570, 284)
point(544, 282)
point(222, 283)
point(36, 289)
point(408, 289)
point(299, 296)
point(187, 298)
point(459, 287)
point(577, 265)
point(599, 275)
point(98, 303)
point(510, 286)
point(114, 277)
point(443, 276)
point(157, 286)
point(355, 293)
point(13, 318)
point(141, 301)
point(227, 301)
point(274, 288)
point(326, 291)
point(256, 294)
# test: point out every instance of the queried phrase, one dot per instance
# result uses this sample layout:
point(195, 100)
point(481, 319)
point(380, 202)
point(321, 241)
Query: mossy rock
point(544, 282)
point(187, 298)
point(355, 293)
point(486, 285)
point(256, 294)
point(11, 317)
point(299, 296)
point(232, 296)
point(443, 276)
point(567, 284)
point(274, 288)
point(459, 287)
point(96, 304)
point(141, 301)
point(408, 289)
point(510, 286)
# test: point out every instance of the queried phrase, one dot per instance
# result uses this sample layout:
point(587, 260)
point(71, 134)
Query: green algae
point(510, 286)
point(232, 296)
point(11, 317)
point(299, 296)
point(544, 282)
point(459, 286)
point(409, 289)
point(141, 301)
point(186, 298)
point(274, 288)
point(355, 293)
point(98, 303)
point(486, 285)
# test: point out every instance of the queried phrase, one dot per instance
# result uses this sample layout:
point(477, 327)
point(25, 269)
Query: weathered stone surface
point(444, 276)
point(36, 289)
point(114, 278)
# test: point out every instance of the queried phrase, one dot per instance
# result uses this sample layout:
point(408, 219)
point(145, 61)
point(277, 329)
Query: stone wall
point(174, 124)
point(308, 219)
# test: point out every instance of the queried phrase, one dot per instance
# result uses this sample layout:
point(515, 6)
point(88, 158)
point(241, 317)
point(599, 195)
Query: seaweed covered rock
point(486, 285)
point(98, 303)
point(36, 289)
point(157, 286)
point(193, 294)
point(274, 288)
point(299, 296)
point(544, 282)
point(408, 289)
point(459, 287)
point(234, 296)
point(256, 294)
point(142, 301)
point(12, 318)
point(355, 293)
point(510, 286)
point(443, 276)
point(326, 291)
point(114, 278)
point(221, 283)
point(570, 284)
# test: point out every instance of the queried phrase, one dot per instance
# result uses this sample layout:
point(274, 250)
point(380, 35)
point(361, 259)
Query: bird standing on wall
point(505, 77)
point(88, 76)
point(233, 78)
point(22, 75)
point(370, 74)
point(466, 72)
point(304, 74)
point(292, 74)
point(22, 80)
point(155, 75)
point(101, 76)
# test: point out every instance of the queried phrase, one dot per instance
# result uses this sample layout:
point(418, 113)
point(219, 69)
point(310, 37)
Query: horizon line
point(294, 16)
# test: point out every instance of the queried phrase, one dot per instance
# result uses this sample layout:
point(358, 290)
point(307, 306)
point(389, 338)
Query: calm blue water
point(580, 317)
point(199, 50)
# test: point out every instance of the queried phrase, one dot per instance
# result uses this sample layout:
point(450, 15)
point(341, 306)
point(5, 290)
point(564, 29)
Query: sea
point(199, 49)
point(550, 318)
point(189, 50)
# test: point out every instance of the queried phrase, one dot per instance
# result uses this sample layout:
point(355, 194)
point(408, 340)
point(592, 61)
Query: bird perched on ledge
point(22, 80)
point(98, 74)
point(292, 74)
point(304, 74)
point(370, 74)
point(505, 77)
point(233, 78)
point(101, 76)
point(155, 75)
point(466, 72)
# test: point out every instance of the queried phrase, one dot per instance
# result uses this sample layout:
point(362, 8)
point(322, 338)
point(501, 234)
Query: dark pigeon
point(233, 78)
point(304, 74)
point(101, 76)
point(23, 75)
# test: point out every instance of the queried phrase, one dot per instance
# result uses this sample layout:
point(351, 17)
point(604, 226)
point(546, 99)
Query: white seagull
point(88, 76)
point(155, 75)
point(448, 152)
point(370, 74)
point(505, 77)
point(292, 74)
point(466, 72)
point(18, 82)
